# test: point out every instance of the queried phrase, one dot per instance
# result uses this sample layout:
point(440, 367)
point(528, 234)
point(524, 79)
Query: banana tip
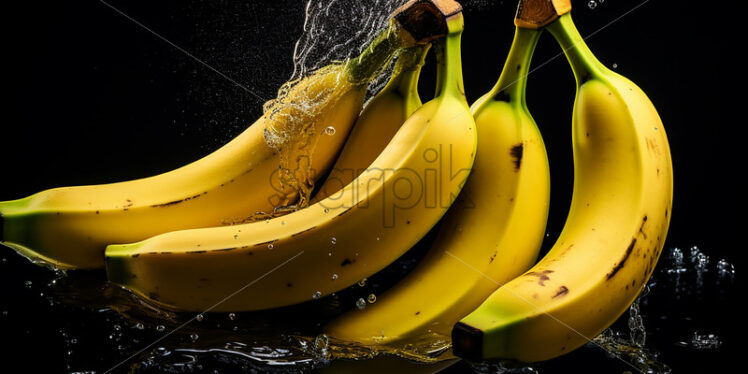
point(467, 342)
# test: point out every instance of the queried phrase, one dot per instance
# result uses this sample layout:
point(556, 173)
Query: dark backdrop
point(93, 97)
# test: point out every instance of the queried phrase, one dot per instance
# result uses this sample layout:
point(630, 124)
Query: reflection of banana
point(69, 227)
point(496, 224)
point(329, 245)
point(378, 122)
point(619, 216)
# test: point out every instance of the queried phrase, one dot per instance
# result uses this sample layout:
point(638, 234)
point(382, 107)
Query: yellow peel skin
point(490, 235)
point(614, 233)
point(379, 121)
point(69, 227)
point(327, 246)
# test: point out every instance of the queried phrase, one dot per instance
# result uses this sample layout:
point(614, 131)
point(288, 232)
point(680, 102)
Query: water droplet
point(333, 240)
point(194, 337)
point(327, 210)
point(5, 260)
point(377, 238)
point(236, 237)
point(235, 328)
point(362, 282)
point(330, 130)
point(117, 327)
point(160, 328)
point(706, 341)
point(270, 246)
point(334, 276)
point(232, 316)
point(73, 341)
point(694, 251)
point(592, 4)
point(361, 303)
point(29, 284)
point(162, 351)
point(702, 261)
point(321, 341)
point(615, 66)
point(725, 268)
point(5, 313)
point(199, 317)
point(283, 222)
point(316, 295)
point(372, 298)
point(329, 254)
point(139, 326)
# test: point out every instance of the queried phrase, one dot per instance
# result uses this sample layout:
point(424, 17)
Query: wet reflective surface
point(84, 324)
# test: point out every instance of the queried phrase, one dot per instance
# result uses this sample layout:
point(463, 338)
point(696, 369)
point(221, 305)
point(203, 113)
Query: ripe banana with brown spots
point(269, 166)
point(614, 233)
point(496, 224)
point(334, 243)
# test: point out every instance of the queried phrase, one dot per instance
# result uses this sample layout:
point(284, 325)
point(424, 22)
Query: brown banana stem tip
point(426, 20)
point(534, 14)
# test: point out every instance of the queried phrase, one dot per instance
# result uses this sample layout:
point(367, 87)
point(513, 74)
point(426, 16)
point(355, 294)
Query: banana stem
point(449, 59)
point(512, 82)
point(381, 49)
point(408, 69)
point(583, 62)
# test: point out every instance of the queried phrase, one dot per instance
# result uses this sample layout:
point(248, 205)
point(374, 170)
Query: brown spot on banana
point(224, 249)
point(621, 263)
point(344, 212)
point(542, 276)
point(170, 203)
point(266, 243)
point(516, 152)
point(301, 232)
point(563, 290)
point(641, 228)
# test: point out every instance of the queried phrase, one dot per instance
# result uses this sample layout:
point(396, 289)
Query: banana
point(334, 243)
point(379, 121)
point(614, 233)
point(496, 224)
point(270, 165)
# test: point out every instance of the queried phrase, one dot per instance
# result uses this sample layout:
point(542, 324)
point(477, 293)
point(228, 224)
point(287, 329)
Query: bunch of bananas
point(240, 230)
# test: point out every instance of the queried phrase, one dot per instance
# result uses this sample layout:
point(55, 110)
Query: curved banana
point(270, 165)
point(490, 235)
point(614, 233)
point(329, 245)
point(379, 121)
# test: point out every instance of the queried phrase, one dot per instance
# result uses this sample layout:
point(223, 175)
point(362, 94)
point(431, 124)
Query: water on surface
point(90, 318)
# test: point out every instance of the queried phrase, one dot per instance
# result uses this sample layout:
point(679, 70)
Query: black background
point(93, 97)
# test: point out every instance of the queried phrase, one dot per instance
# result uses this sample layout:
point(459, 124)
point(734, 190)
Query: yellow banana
point(329, 245)
point(379, 121)
point(270, 165)
point(496, 224)
point(615, 230)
